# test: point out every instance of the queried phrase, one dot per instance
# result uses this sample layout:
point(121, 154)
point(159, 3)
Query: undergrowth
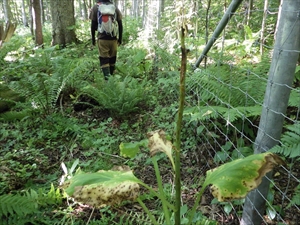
point(45, 130)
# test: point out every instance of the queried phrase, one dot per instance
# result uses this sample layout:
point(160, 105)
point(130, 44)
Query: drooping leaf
point(235, 179)
point(103, 187)
point(159, 143)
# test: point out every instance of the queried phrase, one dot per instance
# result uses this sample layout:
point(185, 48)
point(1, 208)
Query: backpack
point(107, 20)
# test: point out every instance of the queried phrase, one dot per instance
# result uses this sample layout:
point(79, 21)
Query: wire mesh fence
point(228, 98)
point(239, 103)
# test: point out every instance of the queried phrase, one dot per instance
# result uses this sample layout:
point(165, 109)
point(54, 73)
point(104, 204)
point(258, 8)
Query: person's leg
point(113, 55)
point(104, 53)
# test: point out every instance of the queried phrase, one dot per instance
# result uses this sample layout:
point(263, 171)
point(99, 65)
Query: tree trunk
point(195, 12)
point(42, 12)
point(135, 8)
point(84, 10)
point(90, 4)
point(249, 11)
point(31, 18)
point(143, 13)
point(7, 11)
point(159, 9)
point(24, 17)
point(263, 27)
point(162, 6)
point(281, 75)
point(37, 19)
point(63, 22)
point(6, 32)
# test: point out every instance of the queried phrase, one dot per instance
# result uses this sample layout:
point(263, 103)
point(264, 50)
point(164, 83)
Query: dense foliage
point(57, 108)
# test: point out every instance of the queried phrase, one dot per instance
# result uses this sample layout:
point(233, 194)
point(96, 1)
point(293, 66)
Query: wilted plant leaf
point(159, 143)
point(235, 179)
point(103, 187)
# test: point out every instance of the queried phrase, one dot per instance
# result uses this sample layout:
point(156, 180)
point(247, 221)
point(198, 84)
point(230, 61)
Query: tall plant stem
point(152, 218)
point(199, 195)
point(178, 127)
point(161, 191)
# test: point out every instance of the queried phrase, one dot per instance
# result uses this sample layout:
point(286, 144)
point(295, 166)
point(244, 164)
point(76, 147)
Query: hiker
point(108, 23)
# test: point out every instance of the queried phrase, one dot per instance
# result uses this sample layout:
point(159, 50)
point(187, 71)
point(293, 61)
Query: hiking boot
point(105, 71)
point(111, 69)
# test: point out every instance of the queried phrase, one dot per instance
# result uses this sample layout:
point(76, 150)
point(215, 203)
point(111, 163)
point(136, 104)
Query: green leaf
point(74, 165)
point(235, 179)
point(227, 208)
point(103, 187)
point(130, 150)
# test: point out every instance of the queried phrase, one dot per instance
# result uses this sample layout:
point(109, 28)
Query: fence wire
point(229, 119)
point(226, 97)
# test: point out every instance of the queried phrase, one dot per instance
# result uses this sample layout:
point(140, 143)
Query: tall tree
point(63, 22)
point(7, 11)
point(135, 8)
point(263, 27)
point(37, 21)
point(24, 16)
point(84, 9)
point(249, 8)
point(280, 79)
point(42, 11)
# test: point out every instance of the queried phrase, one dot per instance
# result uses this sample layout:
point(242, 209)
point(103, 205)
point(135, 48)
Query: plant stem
point(90, 216)
point(158, 195)
point(161, 191)
point(199, 195)
point(152, 218)
point(178, 128)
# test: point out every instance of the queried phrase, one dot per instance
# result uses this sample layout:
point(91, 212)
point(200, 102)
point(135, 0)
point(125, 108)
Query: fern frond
point(23, 205)
point(16, 205)
point(222, 85)
point(120, 97)
point(294, 97)
point(19, 220)
point(44, 89)
point(296, 197)
point(213, 112)
point(15, 115)
point(290, 142)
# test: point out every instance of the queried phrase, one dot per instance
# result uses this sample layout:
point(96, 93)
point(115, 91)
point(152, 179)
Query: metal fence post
point(281, 75)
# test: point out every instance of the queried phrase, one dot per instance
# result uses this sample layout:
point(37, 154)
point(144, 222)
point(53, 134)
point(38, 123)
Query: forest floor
point(190, 173)
point(194, 166)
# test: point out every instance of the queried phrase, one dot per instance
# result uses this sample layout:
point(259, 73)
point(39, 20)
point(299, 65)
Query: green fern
point(203, 113)
point(296, 197)
point(15, 115)
point(44, 88)
point(290, 142)
point(21, 206)
point(223, 85)
point(20, 221)
point(120, 97)
point(17, 205)
point(294, 97)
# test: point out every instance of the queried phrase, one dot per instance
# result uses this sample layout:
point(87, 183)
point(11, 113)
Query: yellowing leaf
point(235, 179)
point(103, 187)
point(159, 143)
